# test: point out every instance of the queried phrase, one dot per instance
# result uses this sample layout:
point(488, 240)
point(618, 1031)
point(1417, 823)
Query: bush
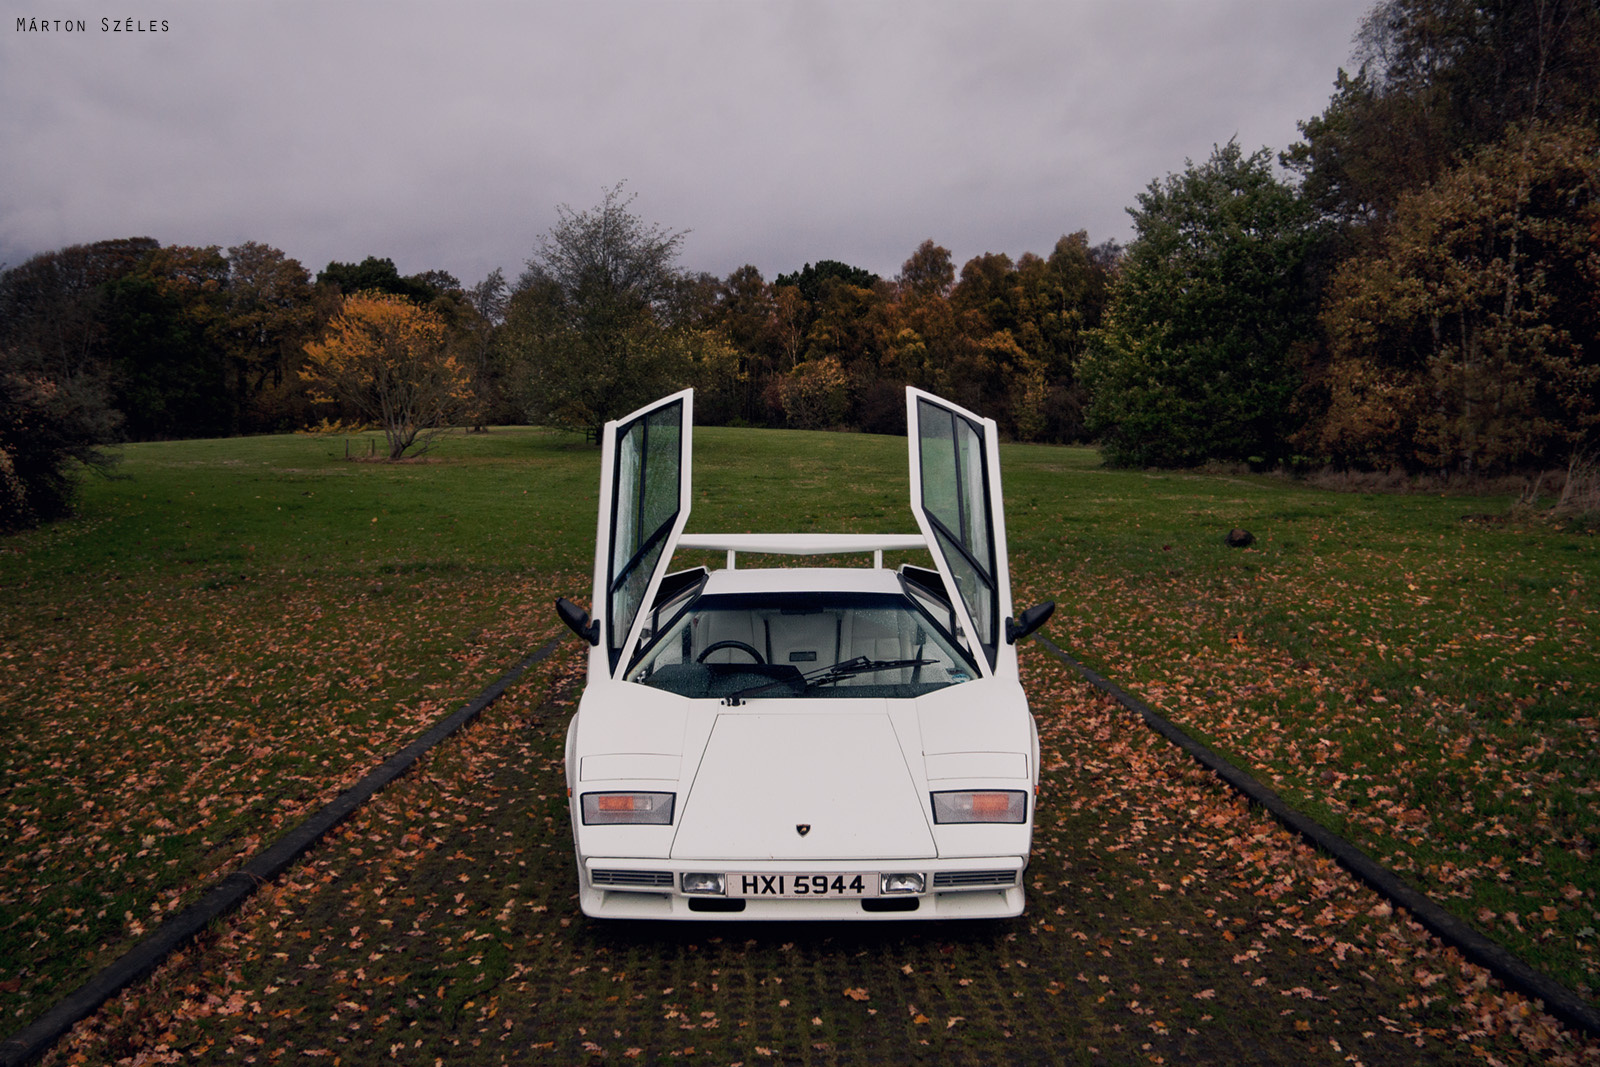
point(815, 394)
point(49, 431)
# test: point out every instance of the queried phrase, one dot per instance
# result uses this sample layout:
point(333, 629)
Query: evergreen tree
point(1197, 356)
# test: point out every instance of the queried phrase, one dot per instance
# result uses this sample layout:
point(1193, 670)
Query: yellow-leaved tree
point(1469, 338)
point(390, 360)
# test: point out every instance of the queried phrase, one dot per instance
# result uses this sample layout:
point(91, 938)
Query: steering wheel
point(740, 645)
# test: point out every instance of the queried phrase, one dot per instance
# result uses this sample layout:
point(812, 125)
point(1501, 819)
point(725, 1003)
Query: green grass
point(234, 630)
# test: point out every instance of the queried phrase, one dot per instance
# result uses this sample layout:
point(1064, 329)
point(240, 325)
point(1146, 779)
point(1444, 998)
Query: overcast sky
point(444, 135)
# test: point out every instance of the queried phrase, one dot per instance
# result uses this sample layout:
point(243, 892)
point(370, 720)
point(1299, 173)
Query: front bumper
point(969, 888)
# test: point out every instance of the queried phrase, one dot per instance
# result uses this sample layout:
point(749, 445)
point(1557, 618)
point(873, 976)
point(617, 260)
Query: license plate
point(792, 886)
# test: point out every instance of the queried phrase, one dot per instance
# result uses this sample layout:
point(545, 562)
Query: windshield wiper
point(861, 665)
point(837, 672)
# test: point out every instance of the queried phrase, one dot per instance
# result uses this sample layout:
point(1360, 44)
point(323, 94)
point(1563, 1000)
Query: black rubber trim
point(888, 904)
point(1565, 1004)
point(36, 1038)
point(715, 904)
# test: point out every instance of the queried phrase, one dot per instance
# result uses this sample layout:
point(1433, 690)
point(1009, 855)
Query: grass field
point(235, 630)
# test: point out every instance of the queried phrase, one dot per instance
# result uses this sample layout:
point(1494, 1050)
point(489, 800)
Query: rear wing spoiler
point(817, 544)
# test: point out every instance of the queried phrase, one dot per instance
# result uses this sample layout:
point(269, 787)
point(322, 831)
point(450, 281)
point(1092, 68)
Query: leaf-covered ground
point(221, 645)
point(151, 766)
point(239, 629)
point(1168, 922)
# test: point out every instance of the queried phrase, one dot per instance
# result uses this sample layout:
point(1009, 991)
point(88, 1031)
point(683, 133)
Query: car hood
point(843, 776)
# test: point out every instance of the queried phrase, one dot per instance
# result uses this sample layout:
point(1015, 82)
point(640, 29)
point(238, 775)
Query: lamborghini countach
point(801, 742)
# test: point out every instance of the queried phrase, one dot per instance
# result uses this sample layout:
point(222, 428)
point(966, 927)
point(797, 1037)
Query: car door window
point(954, 493)
point(647, 494)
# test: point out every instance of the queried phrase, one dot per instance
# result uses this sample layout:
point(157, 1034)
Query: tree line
point(602, 321)
point(1415, 285)
point(132, 340)
point(1423, 294)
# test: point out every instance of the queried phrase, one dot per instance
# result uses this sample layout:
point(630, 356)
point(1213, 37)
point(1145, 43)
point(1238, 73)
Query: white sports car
point(802, 743)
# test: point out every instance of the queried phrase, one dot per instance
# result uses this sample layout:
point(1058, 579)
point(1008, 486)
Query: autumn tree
point(812, 280)
point(390, 361)
point(1008, 335)
point(591, 317)
point(828, 309)
point(745, 308)
point(1487, 65)
point(846, 324)
point(928, 272)
point(747, 314)
point(789, 320)
point(1436, 79)
point(1196, 358)
point(1470, 339)
point(922, 338)
point(815, 395)
point(268, 314)
point(718, 371)
point(988, 291)
point(1062, 299)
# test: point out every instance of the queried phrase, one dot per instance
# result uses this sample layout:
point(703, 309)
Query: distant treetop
point(382, 276)
point(810, 280)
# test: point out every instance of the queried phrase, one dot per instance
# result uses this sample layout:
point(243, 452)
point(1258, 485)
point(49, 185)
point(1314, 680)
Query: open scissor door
point(644, 504)
point(955, 496)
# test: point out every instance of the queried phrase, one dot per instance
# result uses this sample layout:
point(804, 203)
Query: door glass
point(970, 471)
point(647, 486)
point(955, 496)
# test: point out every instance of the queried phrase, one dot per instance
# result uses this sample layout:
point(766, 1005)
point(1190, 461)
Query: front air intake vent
point(885, 904)
point(974, 879)
point(632, 879)
point(715, 904)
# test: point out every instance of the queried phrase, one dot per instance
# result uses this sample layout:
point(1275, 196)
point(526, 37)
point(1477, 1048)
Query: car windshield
point(813, 645)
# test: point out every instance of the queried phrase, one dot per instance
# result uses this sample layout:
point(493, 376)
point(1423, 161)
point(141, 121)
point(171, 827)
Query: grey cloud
point(778, 133)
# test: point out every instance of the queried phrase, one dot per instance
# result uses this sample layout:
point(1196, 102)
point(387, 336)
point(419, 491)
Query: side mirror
point(577, 620)
point(1032, 619)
